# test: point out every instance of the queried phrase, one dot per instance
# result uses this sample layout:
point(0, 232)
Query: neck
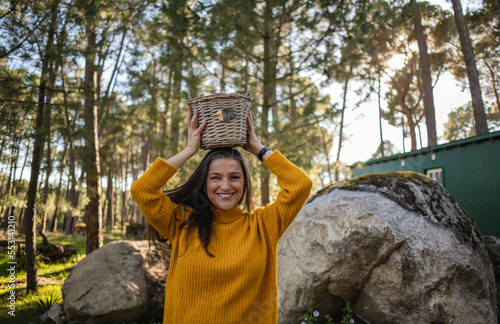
point(227, 216)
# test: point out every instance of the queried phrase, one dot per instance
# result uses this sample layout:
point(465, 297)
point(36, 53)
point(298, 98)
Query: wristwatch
point(262, 152)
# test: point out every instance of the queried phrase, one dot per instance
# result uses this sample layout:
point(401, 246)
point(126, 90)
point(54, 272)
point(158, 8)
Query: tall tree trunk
point(413, 135)
point(15, 149)
point(177, 12)
point(341, 131)
point(292, 110)
point(152, 115)
point(133, 207)
point(223, 78)
point(168, 95)
point(7, 193)
point(91, 160)
point(115, 207)
point(21, 214)
point(67, 223)
point(40, 133)
point(13, 167)
point(425, 68)
point(175, 120)
point(12, 177)
point(326, 151)
point(74, 196)
point(4, 140)
point(117, 64)
point(53, 224)
point(110, 216)
point(48, 171)
point(267, 96)
point(379, 98)
point(470, 63)
point(124, 190)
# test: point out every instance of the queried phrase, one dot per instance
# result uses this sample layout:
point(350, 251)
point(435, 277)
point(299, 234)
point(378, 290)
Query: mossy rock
point(417, 193)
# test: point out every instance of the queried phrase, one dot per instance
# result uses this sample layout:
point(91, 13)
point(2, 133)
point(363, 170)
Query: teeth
point(224, 195)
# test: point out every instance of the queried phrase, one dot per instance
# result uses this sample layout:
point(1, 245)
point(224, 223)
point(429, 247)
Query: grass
point(29, 307)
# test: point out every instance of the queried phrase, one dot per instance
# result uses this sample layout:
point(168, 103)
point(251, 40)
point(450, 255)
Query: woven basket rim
point(221, 96)
point(238, 96)
point(219, 133)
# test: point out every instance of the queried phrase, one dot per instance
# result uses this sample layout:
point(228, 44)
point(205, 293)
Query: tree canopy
point(92, 91)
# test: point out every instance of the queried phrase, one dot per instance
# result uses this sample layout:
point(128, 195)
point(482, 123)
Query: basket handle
point(248, 94)
point(189, 94)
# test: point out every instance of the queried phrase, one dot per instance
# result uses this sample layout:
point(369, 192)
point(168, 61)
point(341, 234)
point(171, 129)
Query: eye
point(214, 178)
point(235, 177)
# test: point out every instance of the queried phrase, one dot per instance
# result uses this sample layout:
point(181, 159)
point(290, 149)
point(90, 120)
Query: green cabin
point(469, 169)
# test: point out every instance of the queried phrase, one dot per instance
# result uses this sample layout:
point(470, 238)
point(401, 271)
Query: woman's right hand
point(193, 141)
point(194, 132)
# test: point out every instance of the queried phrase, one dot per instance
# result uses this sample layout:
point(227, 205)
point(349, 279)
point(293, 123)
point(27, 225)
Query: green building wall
point(470, 172)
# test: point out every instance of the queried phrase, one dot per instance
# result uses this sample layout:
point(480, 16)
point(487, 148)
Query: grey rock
point(396, 245)
point(116, 283)
point(493, 248)
point(54, 315)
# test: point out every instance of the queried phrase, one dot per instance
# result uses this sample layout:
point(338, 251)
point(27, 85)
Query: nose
point(225, 184)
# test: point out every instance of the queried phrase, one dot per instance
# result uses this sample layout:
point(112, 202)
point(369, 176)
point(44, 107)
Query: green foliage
point(347, 318)
point(461, 125)
point(45, 302)
point(388, 148)
point(312, 316)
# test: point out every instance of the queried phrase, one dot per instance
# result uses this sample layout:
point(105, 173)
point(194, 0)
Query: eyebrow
point(217, 173)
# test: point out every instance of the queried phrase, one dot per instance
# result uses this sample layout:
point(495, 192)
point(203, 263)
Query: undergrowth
point(29, 307)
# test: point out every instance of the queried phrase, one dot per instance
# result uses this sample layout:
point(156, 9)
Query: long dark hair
point(192, 199)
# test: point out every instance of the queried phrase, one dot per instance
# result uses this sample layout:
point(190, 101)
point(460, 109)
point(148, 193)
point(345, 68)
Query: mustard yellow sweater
point(239, 284)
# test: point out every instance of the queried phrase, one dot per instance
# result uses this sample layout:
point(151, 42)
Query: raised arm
point(253, 145)
point(146, 191)
point(193, 142)
point(294, 183)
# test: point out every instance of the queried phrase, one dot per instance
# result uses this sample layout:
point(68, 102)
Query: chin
point(225, 206)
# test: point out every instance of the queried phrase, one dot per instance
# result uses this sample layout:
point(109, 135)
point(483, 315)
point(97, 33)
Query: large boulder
point(396, 245)
point(119, 282)
point(493, 248)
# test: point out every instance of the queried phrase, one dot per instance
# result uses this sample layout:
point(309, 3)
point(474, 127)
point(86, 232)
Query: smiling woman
point(223, 262)
point(225, 183)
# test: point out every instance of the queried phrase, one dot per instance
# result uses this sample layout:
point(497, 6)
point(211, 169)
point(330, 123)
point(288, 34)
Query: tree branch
point(3, 55)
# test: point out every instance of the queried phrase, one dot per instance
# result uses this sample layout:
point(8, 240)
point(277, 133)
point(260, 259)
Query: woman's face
point(225, 183)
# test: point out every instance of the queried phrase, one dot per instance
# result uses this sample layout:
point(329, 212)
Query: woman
point(223, 262)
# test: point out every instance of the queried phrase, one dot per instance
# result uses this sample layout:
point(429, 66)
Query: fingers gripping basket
point(226, 116)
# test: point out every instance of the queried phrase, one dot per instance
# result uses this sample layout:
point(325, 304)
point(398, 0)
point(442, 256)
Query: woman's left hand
point(253, 144)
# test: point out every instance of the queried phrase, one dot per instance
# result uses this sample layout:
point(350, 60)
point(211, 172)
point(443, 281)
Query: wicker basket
point(226, 116)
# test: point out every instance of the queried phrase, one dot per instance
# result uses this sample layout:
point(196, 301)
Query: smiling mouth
point(225, 195)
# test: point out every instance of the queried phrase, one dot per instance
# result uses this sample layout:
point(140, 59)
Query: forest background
point(92, 91)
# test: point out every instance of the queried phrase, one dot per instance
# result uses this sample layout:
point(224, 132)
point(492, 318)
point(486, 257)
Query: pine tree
point(470, 62)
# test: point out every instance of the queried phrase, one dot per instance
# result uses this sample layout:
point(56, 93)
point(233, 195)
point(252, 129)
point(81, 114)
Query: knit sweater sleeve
point(153, 203)
point(295, 189)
